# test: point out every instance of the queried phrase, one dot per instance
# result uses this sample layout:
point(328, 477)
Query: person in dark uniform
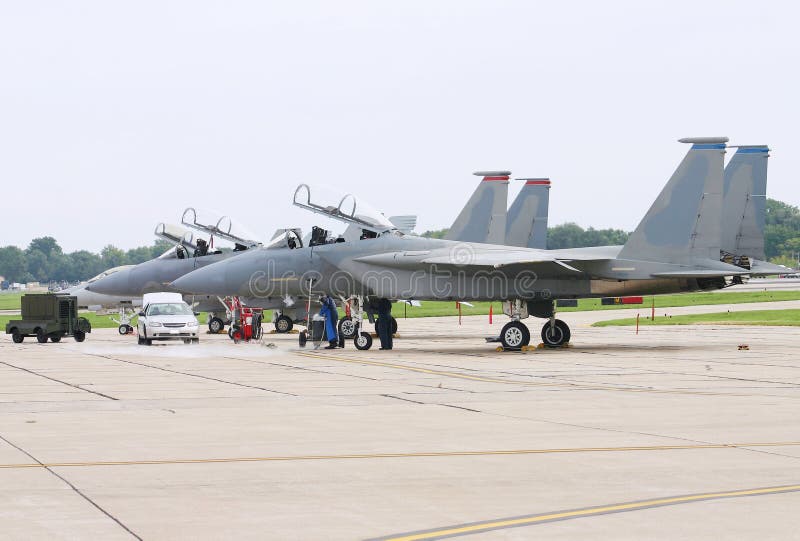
point(385, 323)
point(331, 320)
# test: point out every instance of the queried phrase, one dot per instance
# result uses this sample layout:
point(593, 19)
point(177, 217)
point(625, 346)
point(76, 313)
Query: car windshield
point(169, 309)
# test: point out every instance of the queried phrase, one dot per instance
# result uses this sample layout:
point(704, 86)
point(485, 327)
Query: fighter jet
point(186, 255)
point(674, 249)
point(485, 218)
point(743, 212)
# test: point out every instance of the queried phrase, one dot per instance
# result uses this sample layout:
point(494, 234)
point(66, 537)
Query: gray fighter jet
point(675, 248)
point(485, 218)
point(186, 255)
point(743, 212)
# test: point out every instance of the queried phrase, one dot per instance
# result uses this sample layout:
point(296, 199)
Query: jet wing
point(765, 268)
point(465, 259)
point(700, 273)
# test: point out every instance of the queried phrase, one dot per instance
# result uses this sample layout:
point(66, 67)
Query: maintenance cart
point(49, 316)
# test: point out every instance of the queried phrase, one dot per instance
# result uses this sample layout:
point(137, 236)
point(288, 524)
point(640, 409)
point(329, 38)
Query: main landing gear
point(515, 334)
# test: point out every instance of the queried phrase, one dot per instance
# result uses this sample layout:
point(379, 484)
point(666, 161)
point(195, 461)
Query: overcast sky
point(117, 115)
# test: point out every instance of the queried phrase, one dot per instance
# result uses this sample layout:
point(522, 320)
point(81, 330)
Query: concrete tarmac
point(674, 433)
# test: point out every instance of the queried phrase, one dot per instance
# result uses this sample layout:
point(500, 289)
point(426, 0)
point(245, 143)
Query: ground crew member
point(331, 314)
point(385, 323)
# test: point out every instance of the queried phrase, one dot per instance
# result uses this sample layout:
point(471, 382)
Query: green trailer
point(49, 316)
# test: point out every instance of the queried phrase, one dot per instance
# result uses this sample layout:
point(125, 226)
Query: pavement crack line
point(190, 374)
point(554, 516)
point(552, 384)
point(303, 368)
point(71, 486)
point(74, 386)
point(402, 455)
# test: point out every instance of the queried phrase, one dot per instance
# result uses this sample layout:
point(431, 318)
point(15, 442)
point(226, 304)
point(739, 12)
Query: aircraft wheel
point(394, 325)
point(558, 335)
point(123, 330)
point(215, 325)
point(56, 338)
point(363, 341)
point(515, 335)
point(348, 328)
point(16, 336)
point(79, 336)
point(41, 337)
point(283, 324)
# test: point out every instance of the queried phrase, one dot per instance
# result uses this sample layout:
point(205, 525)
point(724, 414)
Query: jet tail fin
point(684, 222)
point(745, 202)
point(526, 223)
point(483, 219)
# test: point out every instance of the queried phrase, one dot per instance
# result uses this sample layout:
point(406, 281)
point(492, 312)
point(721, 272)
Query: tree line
point(44, 260)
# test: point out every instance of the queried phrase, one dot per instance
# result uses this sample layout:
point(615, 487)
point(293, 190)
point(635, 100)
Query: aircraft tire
point(215, 325)
point(348, 328)
point(302, 339)
point(123, 330)
point(515, 335)
point(557, 336)
point(283, 324)
point(363, 341)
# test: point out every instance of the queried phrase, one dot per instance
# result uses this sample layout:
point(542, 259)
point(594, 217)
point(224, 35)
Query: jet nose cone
point(208, 281)
point(113, 284)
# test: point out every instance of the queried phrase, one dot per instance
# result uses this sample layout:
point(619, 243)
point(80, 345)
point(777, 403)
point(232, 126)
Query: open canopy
point(344, 208)
point(219, 226)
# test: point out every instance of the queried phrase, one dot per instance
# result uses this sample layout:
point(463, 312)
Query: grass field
point(440, 308)
point(753, 317)
point(11, 301)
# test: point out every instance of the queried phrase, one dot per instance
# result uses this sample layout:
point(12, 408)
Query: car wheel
point(41, 337)
point(16, 336)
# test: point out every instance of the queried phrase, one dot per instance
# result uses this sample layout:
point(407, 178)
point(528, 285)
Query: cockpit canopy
point(219, 226)
point(347, 208)
point(176, 234)
point(286, 238)
point(108, 272)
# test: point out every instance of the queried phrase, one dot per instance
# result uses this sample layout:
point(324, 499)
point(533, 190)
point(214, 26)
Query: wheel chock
point(565, 345)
